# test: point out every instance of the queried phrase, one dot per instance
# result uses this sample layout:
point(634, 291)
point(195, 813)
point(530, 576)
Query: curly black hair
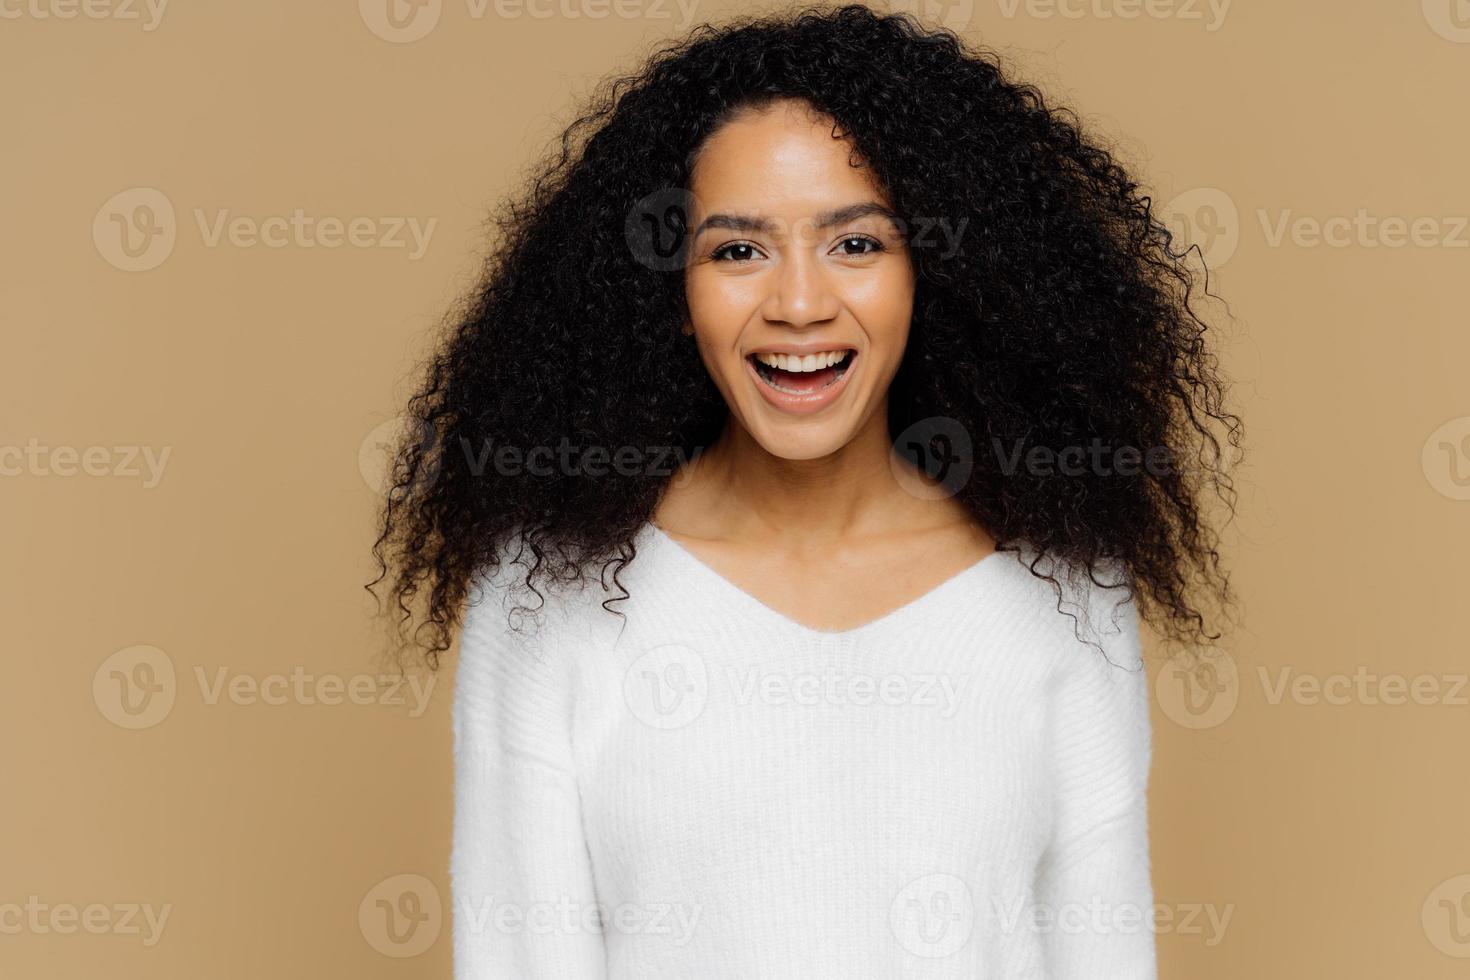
point(1061, 318)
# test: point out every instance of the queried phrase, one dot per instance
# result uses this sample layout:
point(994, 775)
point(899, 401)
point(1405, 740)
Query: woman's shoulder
point(524, 636)
point(536, 596)
point(1075, 610)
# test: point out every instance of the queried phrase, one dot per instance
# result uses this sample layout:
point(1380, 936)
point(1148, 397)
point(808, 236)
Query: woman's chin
point(801, 438)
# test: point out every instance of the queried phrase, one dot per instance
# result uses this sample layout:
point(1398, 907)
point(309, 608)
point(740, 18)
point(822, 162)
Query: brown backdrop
point(204, 774)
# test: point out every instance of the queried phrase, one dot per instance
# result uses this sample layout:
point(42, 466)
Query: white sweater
point(710, 789)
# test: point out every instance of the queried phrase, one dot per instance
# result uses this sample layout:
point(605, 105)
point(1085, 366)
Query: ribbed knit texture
point(708, 789)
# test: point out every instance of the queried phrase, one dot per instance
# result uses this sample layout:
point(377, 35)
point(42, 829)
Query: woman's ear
point(687, 329)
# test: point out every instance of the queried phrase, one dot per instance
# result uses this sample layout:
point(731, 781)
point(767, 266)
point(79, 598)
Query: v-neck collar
point(915, 607)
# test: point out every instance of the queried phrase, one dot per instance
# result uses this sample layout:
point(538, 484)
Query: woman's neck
point(735, 489)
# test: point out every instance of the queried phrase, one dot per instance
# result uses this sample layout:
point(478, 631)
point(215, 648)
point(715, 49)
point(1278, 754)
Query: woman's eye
point(859, 245)
point(735, 252)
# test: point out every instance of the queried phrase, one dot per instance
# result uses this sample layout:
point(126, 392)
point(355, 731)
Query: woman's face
point(799, 282)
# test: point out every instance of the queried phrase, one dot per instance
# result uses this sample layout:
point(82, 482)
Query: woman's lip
point(805, 403)
point(800, 350)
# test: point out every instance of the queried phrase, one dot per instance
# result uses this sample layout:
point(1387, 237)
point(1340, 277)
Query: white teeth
point(801, 365)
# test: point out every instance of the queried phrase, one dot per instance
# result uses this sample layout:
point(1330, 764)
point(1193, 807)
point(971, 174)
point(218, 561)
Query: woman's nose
point(801, 293)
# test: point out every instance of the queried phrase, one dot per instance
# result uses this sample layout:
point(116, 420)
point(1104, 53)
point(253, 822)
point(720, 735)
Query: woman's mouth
point(795, 374)
point(800, 384)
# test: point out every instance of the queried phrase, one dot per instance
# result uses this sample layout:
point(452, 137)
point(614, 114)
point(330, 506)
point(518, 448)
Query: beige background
point(191, 718)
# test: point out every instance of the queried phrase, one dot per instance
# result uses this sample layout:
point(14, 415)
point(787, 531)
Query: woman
point(800, 471)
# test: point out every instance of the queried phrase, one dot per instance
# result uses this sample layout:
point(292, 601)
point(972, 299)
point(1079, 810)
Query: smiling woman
point(797, 280)
point(635, 730)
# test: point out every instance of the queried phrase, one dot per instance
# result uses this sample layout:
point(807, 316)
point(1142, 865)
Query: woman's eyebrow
point(827, 219)
point(852, 212)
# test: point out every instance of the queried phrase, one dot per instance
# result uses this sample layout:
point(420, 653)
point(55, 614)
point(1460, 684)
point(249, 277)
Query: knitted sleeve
point(522, 885)
point(1094, 891)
